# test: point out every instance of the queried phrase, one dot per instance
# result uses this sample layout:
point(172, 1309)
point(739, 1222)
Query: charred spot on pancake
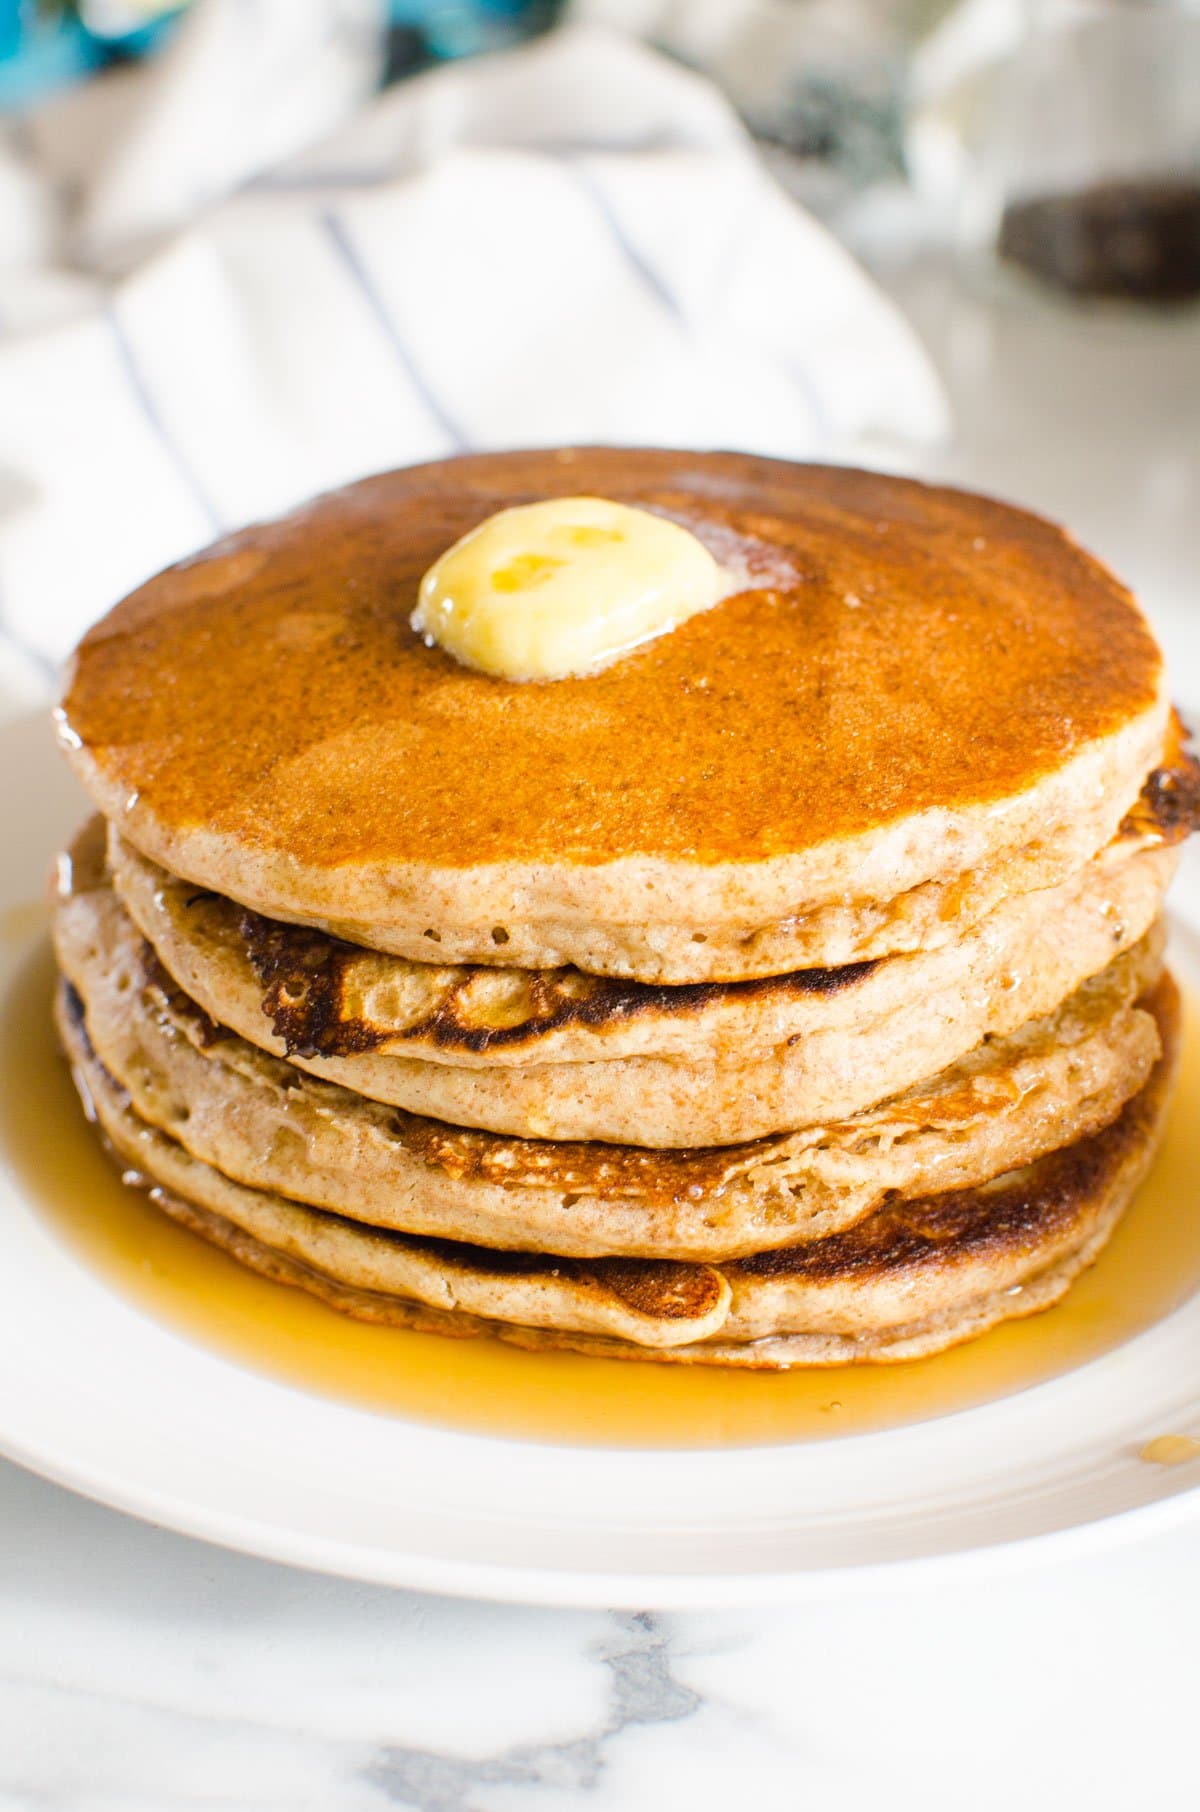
point(660, 1289)
point(75, 1011)
point(940, 1231)
point(302, 973)
point(578, 1167)
point(656, 1287)
point(73, 1008)
point(159, 980)
point(1168, 806)
point(1022, 1210)
point(1172, 798)
point(561, 998)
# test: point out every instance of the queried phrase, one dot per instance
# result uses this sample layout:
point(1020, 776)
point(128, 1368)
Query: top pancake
point(913, 684)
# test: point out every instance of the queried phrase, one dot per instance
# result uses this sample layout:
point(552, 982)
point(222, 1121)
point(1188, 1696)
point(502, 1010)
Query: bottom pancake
point(911, 1280)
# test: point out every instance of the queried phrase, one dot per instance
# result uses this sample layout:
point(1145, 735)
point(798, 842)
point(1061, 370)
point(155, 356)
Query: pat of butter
point(564, 587)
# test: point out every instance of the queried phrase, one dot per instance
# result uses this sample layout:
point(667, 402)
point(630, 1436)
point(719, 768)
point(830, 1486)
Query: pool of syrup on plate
point(479, 1385)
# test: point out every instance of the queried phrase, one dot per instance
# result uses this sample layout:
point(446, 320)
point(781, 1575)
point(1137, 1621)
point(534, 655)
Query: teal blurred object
point(39, 53)
point(131, 28)
point(431, 31)
point(46, 45)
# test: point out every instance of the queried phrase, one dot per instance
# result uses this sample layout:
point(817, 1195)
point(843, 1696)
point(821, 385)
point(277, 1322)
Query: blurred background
point(842, 95)
point(251, 249)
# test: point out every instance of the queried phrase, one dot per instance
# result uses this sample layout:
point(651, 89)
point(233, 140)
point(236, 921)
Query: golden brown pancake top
point(898, 647)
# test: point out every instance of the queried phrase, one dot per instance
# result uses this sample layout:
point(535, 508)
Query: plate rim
point(559, 1588)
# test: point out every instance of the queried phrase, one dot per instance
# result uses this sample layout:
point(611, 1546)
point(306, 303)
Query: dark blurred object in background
point(1138, 239)
point(1088, 170)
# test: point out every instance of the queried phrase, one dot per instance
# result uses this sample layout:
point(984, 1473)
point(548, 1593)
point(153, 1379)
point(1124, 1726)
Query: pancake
point(909, 1280)
point(264, 1124)
point(327, 998)
point(1023, 960)
point(775, 785)
point(644, 1300)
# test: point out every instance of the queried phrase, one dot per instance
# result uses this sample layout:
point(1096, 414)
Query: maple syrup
point(1151, 1265)
point(21, 921)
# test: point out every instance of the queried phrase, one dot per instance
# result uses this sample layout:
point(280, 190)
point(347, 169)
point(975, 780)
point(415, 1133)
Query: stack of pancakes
point(790, 992)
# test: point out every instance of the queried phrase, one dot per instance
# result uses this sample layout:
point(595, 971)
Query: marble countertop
point(142, 1672)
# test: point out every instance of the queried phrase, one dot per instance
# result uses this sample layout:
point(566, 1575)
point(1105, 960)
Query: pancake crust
point(912, 1280)
point(1019, 964)
point(268, 1126)
point(649, 1301)
point(776, 758)
point(327, 998)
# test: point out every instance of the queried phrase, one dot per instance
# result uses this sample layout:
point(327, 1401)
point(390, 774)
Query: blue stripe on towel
point(650, 280)
point(141, 393)
point(346, 250)
point(645, 272)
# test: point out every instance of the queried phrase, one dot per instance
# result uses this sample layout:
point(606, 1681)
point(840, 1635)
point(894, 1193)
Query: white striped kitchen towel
point(571, 242)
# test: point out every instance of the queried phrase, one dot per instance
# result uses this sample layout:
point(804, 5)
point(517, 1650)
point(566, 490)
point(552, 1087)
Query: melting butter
point(547, 590)
point(1170, 1450)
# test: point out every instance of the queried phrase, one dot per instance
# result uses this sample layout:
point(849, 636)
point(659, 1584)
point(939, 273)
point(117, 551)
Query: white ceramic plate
point(96, 1395)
